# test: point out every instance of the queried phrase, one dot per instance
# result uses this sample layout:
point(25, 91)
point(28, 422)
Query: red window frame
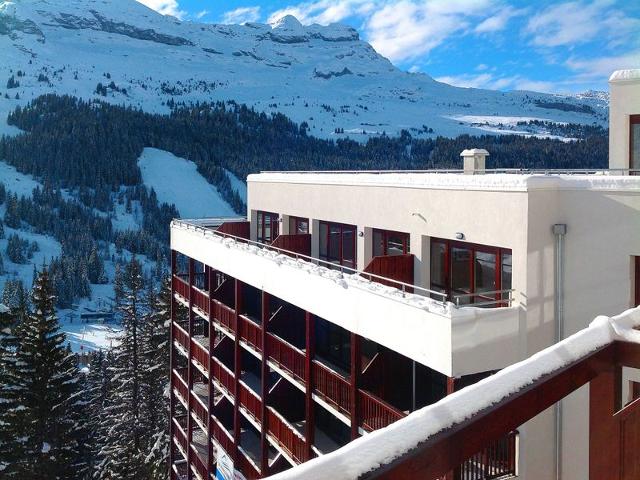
point(261, 226)
point(338, 257)
point(447, 288)
point(295, 223)
point(637, 282)
point(633, 120)
point(385, 240)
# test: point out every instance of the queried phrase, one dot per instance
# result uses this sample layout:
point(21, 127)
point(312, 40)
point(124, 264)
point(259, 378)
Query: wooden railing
point(394, 267)
point(181, 336)
point(250, 332)
point(375, 412)
point(332, 387)
point(199, 409)
point(201, 300)
point(251, 402)
point(223, 375)
point(297, 243)
point(285, 436)
point(181, 386)
point(222, 436)
point(237, 229)
point(246, 466)
point(180, 471)
point(225, 316)
point(288, 357)
point(180, 436)
point(497, 460)
point(200, 354)
point(181, 287)
point(199, 464)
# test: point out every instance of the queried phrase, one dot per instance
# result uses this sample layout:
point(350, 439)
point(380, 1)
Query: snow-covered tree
point(9, 446)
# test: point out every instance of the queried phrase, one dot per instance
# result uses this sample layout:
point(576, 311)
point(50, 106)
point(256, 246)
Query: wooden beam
point(172, 363)
point(190, 371)
point(628, 354)
point(237, 371)
point(211, 402)
point(445, 450)
point(264, 370)
point(604, 431)
point(354, 384)
point(310, 342)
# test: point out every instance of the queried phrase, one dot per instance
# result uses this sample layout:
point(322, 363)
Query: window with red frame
point(338, 243)
point(634, 143)
point(268, 227)
point(470, 271)
point(298, 225)
point(388, 242)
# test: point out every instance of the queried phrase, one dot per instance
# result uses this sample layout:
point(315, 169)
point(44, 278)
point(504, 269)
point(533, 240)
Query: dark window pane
point(333, 253)
point(461, 272)
point(485, 272)
point(378, 243)
point(506, 273)
point(438, 251)
point(396, 243)
point(324, 248)
point(348, 247)
point(267, 229)
point(302, 226)
point(635, 146)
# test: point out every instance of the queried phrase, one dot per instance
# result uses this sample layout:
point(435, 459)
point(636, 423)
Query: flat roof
point(516, 180)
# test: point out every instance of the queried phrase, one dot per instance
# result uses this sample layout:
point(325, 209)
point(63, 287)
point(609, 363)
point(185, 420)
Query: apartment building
point(346, 300)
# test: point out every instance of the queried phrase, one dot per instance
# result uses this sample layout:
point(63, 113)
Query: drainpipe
point(559, 231)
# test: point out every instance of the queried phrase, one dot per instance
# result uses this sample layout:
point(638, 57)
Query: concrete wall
point(624, 101)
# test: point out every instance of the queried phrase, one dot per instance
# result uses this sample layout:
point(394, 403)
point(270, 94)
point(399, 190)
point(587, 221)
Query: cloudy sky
point(550, 46)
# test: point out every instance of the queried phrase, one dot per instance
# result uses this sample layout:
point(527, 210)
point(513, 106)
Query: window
point(298, 225)
point(268, 227)
point(469, 273)
point(634, 143)
point(388, 242)
point(338, 243)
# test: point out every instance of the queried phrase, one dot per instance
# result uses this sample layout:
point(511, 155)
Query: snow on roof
point(625, 75)
point(383, 446)
point(457, 181)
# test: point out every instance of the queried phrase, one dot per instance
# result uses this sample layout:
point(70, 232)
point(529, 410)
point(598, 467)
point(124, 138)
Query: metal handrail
point(299, 256)
point(508, 291)
point(532, 171)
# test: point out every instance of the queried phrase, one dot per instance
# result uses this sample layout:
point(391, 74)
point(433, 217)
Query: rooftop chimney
point(474, 160)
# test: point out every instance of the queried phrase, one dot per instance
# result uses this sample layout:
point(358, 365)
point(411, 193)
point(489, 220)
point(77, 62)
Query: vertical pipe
point(354, 384)
point(211, 390)
point(309, 427)
point(559, 231)
point(190, 372)
point(237, 371)
point(264, 447)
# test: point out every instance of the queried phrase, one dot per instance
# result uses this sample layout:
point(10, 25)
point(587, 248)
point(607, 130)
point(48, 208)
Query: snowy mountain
point(323, 75)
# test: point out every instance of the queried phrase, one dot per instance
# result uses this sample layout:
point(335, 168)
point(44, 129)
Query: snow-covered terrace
point(453, 340)
point(423, 430)
point(518, 180)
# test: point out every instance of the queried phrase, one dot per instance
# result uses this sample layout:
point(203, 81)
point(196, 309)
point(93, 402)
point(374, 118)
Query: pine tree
point(9, 446)
point(44, 380)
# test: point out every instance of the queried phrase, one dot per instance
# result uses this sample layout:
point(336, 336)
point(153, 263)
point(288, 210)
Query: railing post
point(172, 363)
point(190, 371)
point(264, 449)
point(237, 371)
point(212, 333)
point(310, 341)
point(354, 384)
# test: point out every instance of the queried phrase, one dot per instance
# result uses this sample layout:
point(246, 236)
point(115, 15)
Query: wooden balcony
point(250, 471)
point(201, 300)
point(181, 287)
point(250, 402)
point(225, 316)
point(285, 435)
point(235, 229)
point(200, 354)
point(332, 387)
point(250, 332)
point(223, 376)
point(180, 437)
point(222, 436)
point(181, 336)
point(180, 386)
point(376, 413)
point(286, 356)
point(298, 243)
point(393, 267)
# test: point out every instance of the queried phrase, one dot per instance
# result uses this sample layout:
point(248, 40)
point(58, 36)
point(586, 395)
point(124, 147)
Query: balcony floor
point(322, 441)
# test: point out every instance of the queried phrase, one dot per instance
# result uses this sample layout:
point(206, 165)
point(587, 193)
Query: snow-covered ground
point(17, 182)
point(508, 125)
point(177, 181)
point(325, 76)
point(238, 185)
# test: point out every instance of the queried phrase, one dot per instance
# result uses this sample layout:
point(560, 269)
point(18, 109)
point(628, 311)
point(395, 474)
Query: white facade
point(512, 211)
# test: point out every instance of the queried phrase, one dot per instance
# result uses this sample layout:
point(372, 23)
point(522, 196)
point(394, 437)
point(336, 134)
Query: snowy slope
point(177, 181)
point(325, 76)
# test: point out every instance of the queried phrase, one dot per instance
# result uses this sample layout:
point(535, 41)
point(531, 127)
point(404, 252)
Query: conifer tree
point(9, 446)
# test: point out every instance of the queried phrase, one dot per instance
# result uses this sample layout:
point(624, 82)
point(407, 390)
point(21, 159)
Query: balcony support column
point(212, 331)
point(264, 367)
point(237, 371)
point(309, 426)
point(451, 387)
point(172, 364)
point(354, 384)
point(190, 371)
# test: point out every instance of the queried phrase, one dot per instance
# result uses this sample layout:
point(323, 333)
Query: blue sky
point(550, 46)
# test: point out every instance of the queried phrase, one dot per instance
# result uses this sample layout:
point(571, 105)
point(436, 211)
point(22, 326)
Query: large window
point(634, 143)
point(298, 225)
point(268, 227)
point(470, 273)
point(338, 243)
point(388, 242)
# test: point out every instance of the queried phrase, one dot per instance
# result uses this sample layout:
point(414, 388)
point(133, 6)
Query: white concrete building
point(482, 269)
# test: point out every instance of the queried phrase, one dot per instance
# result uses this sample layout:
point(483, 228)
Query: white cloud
point(242, 15)
point(326, 11)
point(490, 81)
point(577, 22)
point(165, 7)
point(202, 13)
point(498, 21)
point(602, 67)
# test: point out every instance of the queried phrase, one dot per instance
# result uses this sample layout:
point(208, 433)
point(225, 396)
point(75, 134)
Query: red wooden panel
point(376, 413)
point(225, 316)
point(396, 267)
point(251, 402)
point(637, 281)
point(181, 436)
point(200, 354)
point(237, 229)
point(332, 387)
point(181, 287)
point(198, 464)
point(250, 332)
point(181, 336)
point(222, 436)
point(201, 300)
point(181, 386)
point(223, 375)
point(286, 356)
point(285, 435)
point(246, 467)
point(297, 243)
point(630, 428)
point(199, 409)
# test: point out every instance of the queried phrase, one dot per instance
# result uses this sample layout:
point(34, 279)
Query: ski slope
point(177, 181)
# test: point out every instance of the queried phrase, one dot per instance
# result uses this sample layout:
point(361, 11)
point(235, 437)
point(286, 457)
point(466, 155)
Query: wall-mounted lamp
point(361, 233)
point(459, 236)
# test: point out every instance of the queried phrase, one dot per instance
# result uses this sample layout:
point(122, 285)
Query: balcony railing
point(247, 467)
point(199, 465)
point(285, 435)
point(497, 460)
point(181, 336)
point(180, 385)
point(201, 300)
point(224, 376)
point(250, 332)
point(180, 436)
point(251, 402)
point(286, 356)
point(200, 354)
point(222, 436)
point(376, 413)
point(224, 315)
point(181, 287)
point(199, 409)
point(332, 387)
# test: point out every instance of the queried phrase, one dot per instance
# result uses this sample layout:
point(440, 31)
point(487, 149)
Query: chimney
point(474, 160)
